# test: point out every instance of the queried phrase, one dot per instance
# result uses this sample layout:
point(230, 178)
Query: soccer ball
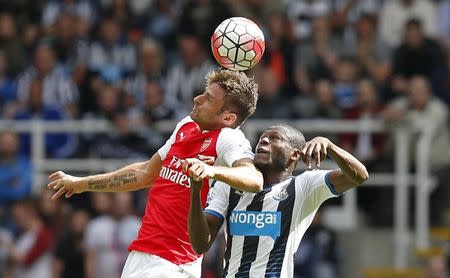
point(237, 43)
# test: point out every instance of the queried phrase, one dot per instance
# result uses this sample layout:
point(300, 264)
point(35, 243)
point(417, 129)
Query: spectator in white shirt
point(57, 88)
point(107, 238)
point(395, 13)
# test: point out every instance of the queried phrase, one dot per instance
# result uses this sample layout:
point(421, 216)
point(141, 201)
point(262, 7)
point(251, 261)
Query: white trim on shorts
point(143, 265)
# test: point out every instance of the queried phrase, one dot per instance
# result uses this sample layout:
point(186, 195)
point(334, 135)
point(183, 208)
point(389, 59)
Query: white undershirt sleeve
point(218, 200)
point(232, 146)
point(313, 188)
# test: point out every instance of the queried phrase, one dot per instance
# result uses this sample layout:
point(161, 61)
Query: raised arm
point(351, 171)
point(242, 176)
point(202, 227)
point(129, 178)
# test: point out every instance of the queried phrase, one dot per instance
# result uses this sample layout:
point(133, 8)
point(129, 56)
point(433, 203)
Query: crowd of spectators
point(138, 62)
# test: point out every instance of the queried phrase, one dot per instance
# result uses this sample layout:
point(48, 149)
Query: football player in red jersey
point(162, 247)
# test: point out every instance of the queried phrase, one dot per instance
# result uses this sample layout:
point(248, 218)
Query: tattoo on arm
point(113, 182)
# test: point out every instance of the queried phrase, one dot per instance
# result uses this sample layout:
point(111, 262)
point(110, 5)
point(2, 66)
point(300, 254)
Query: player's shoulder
point(232, 134)
point(307, 175)
point(232, 131)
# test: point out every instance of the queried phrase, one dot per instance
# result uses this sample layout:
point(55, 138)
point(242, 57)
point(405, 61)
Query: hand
point(64, 184)
point(207, 159)
point(197, 169)
point(317, 148)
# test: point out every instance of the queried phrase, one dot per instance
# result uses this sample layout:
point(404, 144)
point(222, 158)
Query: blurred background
point(89, 86)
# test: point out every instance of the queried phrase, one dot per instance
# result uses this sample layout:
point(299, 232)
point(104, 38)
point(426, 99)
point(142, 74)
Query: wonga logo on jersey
point(255, 223)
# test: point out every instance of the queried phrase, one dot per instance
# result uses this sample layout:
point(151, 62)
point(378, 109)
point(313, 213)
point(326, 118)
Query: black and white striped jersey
point(263, 230)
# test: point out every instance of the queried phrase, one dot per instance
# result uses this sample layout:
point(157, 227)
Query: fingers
point(55, 178)
point(185, 165)
point(59, 193)
point(317, 149)
point(198, 170)
point(306, 157)
point(56, 175)
point(55, 185)
point(69, 193)
point(313, 150)
point(323, 152)
point(206, 159)
point(188, 162)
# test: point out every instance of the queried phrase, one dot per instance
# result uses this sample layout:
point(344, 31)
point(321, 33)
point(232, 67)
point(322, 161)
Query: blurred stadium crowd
point(137, 62)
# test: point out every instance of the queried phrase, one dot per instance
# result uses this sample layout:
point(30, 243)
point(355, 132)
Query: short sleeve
point(218, 200)
point(313, 188)
point(166, 147)
point(232, 146)
point(312, 180)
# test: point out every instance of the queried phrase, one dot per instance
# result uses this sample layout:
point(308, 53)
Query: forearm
point(244, 178)
point(198, 228)
point(130, 178)
point(351, 167)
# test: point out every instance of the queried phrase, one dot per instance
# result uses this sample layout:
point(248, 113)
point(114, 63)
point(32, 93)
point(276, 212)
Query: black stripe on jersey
point(250, 247)
point(233, 200)
point(276, 256)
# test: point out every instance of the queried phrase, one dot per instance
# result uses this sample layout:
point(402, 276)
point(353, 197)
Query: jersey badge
point(281, 195)
point(205, 144)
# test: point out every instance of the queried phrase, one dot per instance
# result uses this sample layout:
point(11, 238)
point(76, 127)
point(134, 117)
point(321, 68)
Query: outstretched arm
point(202, 227)
point(129, 178)
point(351, 171)
point(242, 176)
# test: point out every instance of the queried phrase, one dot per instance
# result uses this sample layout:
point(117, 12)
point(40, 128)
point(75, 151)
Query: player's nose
point(264, 141)
point(198, 99)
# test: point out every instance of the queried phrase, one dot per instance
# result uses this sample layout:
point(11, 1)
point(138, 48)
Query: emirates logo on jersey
point(205, 144)
point(173, 172)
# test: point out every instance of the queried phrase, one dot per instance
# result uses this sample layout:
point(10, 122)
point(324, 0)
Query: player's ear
point(230, 119)
point(295, 154)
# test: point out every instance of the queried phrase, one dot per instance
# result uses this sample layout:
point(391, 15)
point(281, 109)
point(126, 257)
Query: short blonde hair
point(241, 92)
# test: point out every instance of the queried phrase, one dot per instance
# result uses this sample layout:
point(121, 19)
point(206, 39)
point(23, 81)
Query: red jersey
point(163, 230)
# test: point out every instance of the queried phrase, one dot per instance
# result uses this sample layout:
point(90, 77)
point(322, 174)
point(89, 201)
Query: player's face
point(272, 151)
point(207, 111)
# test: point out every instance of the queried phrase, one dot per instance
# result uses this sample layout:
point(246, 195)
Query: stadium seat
point(440, 233)
point(430, 252)
point(387, 272)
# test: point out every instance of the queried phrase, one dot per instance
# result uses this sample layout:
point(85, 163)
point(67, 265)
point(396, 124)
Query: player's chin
point(261, 160)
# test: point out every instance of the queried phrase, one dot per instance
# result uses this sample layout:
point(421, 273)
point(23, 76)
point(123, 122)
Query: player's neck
point(276, 177)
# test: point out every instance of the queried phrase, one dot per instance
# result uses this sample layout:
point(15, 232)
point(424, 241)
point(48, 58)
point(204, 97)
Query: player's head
point(279, 149)
point(229, 99)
